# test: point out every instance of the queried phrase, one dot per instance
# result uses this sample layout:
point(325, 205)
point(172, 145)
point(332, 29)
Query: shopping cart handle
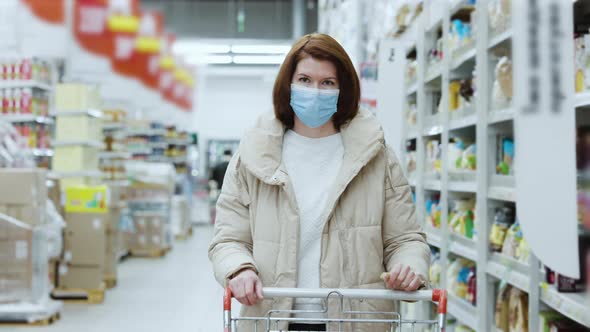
point(436, 295)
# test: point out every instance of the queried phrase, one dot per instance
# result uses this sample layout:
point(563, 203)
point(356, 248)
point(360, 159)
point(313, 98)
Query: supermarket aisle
point(177, 293)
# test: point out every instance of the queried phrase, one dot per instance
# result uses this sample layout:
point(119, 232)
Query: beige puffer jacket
point(370, 221)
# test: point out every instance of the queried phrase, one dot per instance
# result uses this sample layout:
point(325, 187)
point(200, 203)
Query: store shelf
point(17, 118)
point(572, 305)
point(433, 185)
point(506, 194)
point(464, 311)
point(118, 183)
point(433, 236)
point(457, 5)
point(412, 133)
point(582, 99)
point(463, 186)
point(463, 122)
point(114, 155)
point(413, 88)
point(178, 141)
point(503, 115)
point(146, 132)
point(463, 247)
point(89, 143)
point(158, 145)
point(432, 130)
point(78, 174)
point(510, 270)
point(433, 72)
point(463, 55)
point(140, 151)
point(500, 38)
point(13, 84)
point(42, 152)
point(113, 126)
point(93, 113)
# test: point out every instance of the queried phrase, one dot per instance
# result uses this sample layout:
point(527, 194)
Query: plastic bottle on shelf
point(16, 100)
point(4, 67)
point(26, 101)
point(4, 101)
point(26, 69)
point(10, 101)
point(15, 75)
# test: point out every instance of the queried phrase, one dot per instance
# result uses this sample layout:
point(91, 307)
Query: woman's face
point(318, 74)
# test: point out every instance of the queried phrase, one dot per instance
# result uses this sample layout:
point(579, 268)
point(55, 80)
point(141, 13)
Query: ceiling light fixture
point(260, 49)
point(259, 59)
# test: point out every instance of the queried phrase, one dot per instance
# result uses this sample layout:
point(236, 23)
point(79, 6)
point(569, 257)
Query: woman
point(313, 198)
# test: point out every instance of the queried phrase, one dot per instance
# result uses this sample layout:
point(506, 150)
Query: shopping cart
point(396, 323)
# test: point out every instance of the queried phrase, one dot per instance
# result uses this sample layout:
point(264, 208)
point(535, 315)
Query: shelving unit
point(11, 84)
point(488, 189)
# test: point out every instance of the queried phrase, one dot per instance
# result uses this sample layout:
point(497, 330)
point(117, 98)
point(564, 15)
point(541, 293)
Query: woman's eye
point(304, 80)
point(328, 83)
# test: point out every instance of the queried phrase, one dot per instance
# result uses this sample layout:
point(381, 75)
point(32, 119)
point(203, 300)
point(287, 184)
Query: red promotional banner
point(148, 48)
point(167, 68)
point(90, 26)
point(48, 11)
point(123, 25)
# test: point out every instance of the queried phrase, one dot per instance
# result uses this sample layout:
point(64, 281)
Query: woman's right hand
point(246, 287)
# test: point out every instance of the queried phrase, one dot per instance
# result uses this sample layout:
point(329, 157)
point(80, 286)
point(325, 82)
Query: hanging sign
point(545, 167)
point(123, 25)
point(49, 11)
point(90, 26)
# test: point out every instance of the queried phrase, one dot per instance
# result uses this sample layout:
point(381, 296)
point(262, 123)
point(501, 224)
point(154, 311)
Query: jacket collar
point(261, 148)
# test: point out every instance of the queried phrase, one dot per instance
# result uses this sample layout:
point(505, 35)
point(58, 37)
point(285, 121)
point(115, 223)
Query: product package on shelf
point(462, 155)
point(14, 150)
point(462, 280)
point(112, 159)
point(502, 88)
point(462, 32)
point(435, 269)
point(552, 321)
point(505, 155)
point(23, 263)
point(462, 218)
point(25, 69)
point(433, 210)
point(511, 313)
point(499, 13)
point(461, 94)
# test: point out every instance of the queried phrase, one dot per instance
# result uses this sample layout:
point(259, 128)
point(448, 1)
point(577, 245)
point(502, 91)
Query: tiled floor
point(177, 293)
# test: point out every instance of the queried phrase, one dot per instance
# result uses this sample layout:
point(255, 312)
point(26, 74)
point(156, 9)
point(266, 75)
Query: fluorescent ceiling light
point(259, 59)
point(209, 59)
point(261, 49)
point(187, 47)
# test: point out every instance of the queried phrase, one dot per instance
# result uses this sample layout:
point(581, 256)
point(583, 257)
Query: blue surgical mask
point(314, 107)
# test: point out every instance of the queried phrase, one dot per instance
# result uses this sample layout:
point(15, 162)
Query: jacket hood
point(261, 147)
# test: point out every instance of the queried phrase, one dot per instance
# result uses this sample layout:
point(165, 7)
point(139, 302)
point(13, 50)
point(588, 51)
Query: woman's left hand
point(403, 278)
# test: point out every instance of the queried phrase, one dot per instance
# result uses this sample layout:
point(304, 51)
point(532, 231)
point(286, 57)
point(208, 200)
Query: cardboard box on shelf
point(23, 186)
point(80, 276)
point(85, 239)
point(76, 96)
point(75, 158)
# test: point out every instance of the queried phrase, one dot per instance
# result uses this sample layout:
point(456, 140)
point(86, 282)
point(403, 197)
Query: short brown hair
point(322, 47)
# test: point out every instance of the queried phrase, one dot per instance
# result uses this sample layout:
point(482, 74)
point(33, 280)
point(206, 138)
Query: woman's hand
point(402, 278)
point(246, 287)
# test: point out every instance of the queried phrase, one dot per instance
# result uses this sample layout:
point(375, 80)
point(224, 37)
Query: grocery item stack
point(149, 201)
point(78, 134)
point(28, 238)
point(83, 262)
point(114, 155)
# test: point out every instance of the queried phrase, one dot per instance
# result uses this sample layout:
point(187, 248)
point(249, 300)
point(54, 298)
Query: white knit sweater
point(313, 165)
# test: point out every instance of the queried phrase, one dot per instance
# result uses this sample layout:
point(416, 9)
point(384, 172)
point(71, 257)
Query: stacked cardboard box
point(85, 242)
point(23, 194)
point(150, 206)
point(23, 262)
point(78, 133)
